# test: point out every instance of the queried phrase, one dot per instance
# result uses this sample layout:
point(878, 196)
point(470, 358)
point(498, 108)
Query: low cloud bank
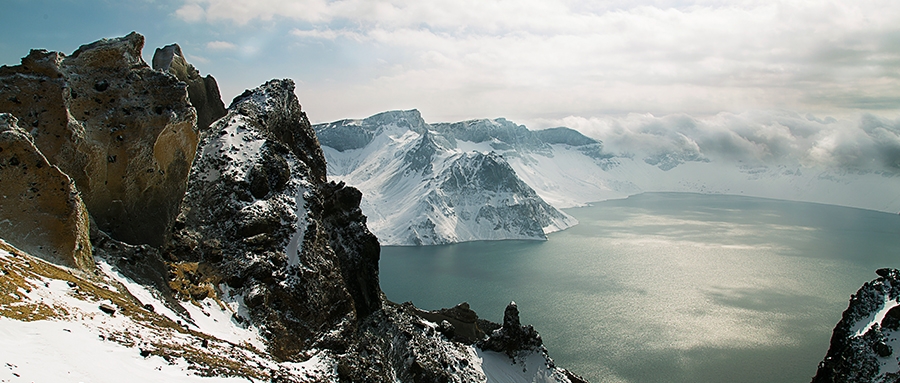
point(863, 143)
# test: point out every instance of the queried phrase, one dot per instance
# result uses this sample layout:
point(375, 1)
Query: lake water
point(668, 287)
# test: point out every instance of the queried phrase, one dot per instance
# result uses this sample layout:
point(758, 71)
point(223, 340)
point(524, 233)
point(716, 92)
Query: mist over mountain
point(862, 143)
point(399, 162)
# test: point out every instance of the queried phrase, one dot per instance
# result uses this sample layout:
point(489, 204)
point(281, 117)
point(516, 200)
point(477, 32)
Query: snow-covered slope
point(59, 324)
point(568, 169)
point(420, 189)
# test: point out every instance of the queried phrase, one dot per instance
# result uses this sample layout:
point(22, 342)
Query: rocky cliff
point(223, 252)
point(203, 92)
point(41, 211)
point(125, 133)
point(865, 345)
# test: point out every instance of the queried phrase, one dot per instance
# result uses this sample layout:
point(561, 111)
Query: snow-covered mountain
point(400, 162)
point(420, 188)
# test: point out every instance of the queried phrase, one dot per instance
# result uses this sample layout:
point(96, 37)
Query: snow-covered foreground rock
point(403, 165)
point(865, 345)
point(59, 324)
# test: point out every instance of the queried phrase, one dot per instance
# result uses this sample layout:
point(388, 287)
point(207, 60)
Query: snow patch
point(294, 246)
point(864, 325)
point(239, 145)
point(59, 351)
point(533, 368)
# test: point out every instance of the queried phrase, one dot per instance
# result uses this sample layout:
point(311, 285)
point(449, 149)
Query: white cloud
point(197, 59)
point(326, 34)
point(220, 45)
point(864, 142)
point(191, 12)
point(533, 59)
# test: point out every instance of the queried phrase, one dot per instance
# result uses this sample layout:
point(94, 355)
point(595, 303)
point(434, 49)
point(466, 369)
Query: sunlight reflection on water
point(668, 287)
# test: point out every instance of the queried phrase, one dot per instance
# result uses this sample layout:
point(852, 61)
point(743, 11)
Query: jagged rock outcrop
point(40, 209)
point(296, 247)
point(512, 337)
point(125, 133)
point(459, 323)
point(203, 92)
point(864, 346)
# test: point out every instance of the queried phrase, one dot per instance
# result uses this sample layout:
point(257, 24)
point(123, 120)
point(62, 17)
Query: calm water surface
point(668, 287)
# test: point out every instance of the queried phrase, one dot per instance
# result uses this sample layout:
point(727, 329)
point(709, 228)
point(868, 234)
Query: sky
point(813, 82)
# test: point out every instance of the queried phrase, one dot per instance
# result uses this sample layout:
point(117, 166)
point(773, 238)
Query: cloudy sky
point(814, 81)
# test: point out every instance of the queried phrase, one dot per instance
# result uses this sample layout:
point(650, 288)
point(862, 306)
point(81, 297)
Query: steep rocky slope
point(865, 345)
point(267, 272)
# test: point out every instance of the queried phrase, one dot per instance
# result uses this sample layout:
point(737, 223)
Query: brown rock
point(203, 91)
point(125, 133)
point(40, 210)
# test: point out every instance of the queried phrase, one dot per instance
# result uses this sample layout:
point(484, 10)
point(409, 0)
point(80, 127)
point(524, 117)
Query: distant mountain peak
point(420, 187)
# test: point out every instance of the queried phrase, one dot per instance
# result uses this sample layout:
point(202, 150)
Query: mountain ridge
point(419, 189)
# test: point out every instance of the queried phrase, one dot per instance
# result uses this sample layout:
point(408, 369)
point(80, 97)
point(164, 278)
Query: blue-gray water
point(668, 287)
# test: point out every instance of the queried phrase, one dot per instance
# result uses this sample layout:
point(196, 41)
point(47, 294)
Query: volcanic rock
point(860, 350)
point(203, 91)
point(295, 246)
point(512, 337)
point(125, 133)
point(40, 210)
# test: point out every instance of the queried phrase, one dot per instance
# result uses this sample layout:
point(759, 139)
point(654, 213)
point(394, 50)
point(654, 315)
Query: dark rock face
point(40, 210)
point(861, 348)
point(203, 91)
point(421, 157)
point(462, 323)
point(395, 344)
point(280, 116)
point(512, 337)
point(295, 246)
point(357, 250)
point(126, 134)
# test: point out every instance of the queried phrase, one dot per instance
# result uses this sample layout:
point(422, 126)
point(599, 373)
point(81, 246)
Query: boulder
point(124, 132)
point(40, 209)
point(202, 91)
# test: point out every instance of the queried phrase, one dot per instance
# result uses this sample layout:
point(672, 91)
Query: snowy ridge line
point(420, 189)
